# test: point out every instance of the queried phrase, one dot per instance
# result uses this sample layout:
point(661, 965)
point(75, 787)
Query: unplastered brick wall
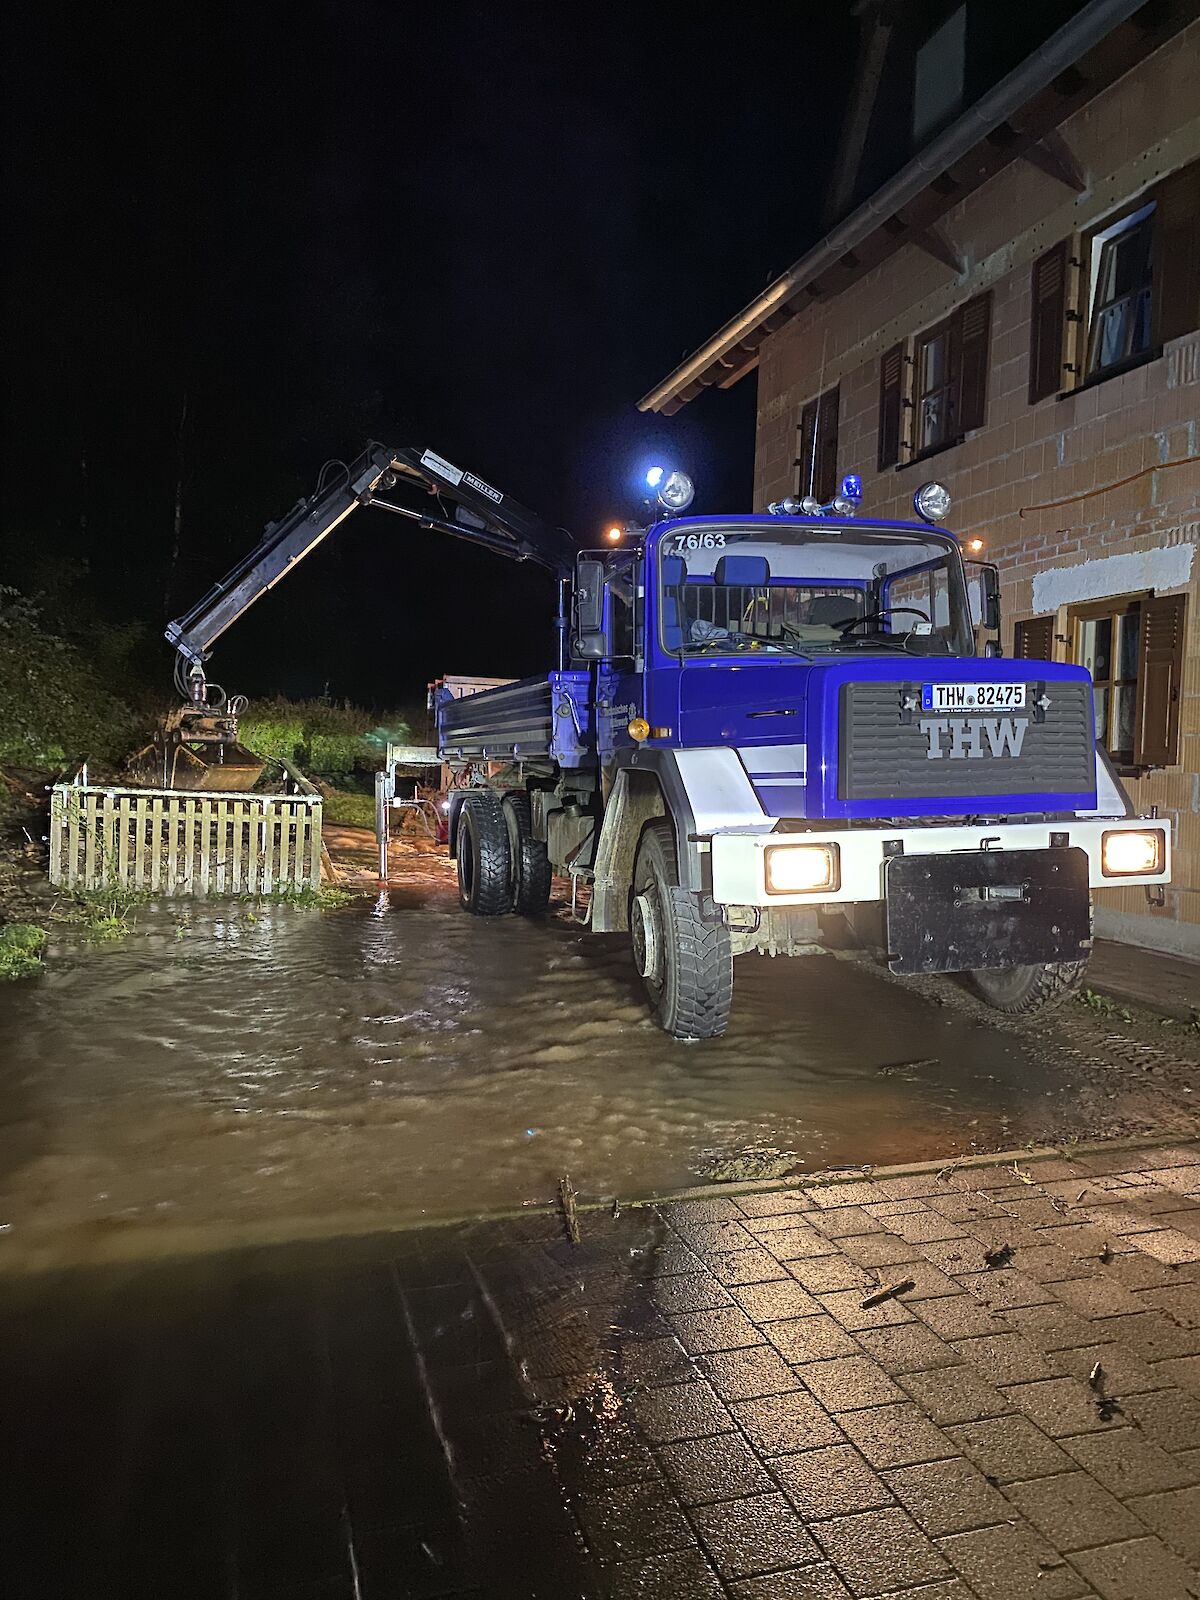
point(1066, 484)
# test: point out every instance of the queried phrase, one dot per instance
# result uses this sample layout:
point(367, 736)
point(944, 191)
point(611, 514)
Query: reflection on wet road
point(400, 1060)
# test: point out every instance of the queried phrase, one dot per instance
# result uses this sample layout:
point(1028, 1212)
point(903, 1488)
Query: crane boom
point(466, 508)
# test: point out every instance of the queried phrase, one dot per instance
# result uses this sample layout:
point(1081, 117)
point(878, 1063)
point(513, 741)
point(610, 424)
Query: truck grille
point(885, 753)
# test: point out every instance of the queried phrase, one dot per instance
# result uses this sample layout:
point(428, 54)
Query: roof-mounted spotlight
point(675, 491)
point(932, 502)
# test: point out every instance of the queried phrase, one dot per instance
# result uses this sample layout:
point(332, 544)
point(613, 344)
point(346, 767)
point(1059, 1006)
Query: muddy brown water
point(396, 1060)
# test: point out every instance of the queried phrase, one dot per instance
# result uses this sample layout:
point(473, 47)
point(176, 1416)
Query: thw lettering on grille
point(969, 738)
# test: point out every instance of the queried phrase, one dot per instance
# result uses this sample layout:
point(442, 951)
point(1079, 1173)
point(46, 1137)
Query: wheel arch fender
point(636, 799)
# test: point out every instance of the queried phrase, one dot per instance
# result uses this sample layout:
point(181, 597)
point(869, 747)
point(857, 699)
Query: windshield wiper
point(750, 638)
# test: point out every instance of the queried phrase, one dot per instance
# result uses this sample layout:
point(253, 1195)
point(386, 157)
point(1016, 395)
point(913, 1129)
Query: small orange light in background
point(638, 729)
point(975, 545)
point(613, 534)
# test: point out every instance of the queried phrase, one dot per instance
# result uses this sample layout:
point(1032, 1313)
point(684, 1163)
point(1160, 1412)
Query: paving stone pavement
point(1021, 1423)
point(692, 1402)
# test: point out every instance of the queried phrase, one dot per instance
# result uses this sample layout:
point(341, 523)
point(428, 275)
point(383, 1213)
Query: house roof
point(1016, 120)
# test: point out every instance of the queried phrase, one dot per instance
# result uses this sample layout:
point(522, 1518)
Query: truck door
point(620, 695)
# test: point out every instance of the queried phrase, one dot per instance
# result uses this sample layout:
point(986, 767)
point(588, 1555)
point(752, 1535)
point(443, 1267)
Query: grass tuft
point(108, 913)
point(20, 950)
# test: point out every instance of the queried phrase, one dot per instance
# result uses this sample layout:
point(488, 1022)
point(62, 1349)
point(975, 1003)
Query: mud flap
point(987, 908)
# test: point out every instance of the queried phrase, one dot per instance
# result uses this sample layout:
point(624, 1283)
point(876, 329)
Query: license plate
point(972, 696)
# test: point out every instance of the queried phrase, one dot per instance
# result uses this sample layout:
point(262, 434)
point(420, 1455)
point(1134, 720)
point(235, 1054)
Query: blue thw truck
point(764, 732)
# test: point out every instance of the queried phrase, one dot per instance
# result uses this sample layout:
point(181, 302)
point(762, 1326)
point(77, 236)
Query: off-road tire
point(531, 871)
point(1021, 990)
point(483, 856)
point(691, 994)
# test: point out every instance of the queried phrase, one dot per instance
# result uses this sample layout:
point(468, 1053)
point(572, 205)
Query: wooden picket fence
point(172, 843)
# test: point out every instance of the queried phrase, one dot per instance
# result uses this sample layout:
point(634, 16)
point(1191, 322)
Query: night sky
point(244, 240)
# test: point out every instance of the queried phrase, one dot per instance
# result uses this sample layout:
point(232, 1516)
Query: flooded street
point(273, 1072)
point(239, 1365)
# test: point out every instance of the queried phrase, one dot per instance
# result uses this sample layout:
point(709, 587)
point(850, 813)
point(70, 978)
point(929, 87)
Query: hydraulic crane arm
point(463, 506)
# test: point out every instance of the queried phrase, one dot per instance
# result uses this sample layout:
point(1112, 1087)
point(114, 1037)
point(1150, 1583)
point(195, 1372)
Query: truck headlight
point(801, 868)
point(1129, 852)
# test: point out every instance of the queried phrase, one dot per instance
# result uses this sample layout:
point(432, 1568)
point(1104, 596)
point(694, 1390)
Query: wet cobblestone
point(662, 1411)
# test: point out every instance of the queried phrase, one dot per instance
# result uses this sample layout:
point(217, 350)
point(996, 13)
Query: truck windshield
point(812, 590)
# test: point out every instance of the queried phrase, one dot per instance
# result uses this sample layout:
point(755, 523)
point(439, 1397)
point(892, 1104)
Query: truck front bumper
point(752, 867)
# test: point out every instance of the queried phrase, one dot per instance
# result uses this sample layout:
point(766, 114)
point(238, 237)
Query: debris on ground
point(890, 1293)
point(1001, 1256)
point(570, 1208)
point(906, 1068)
point(755, 1166)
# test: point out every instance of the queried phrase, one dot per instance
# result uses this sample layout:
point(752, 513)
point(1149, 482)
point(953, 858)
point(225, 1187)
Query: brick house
point(1008, 300)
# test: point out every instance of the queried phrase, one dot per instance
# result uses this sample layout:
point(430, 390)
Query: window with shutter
point(817, 458)
point(1176, 257)
point(1160, 679)
point(1121, 296)
point(891, 405)
point(1033, 639)
point(951, 376)
point(1133, 647)
point(976, 328)
point(1047, 322)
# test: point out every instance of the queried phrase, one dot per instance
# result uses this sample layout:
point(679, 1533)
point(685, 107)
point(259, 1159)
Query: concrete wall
point(1002, 477)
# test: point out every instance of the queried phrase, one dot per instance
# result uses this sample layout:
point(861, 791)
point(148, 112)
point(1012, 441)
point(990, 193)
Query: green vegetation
point(1103, 1005)
point(55, 707)
point(327, 898)
point(108, 913)
point(20, 949)
point(354, 810)
point(326, 740)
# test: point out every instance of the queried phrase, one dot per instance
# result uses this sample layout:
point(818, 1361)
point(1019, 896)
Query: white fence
point(173, 843)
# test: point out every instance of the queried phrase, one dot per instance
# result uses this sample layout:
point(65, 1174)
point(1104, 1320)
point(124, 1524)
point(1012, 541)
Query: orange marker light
point(975, 544)
point(613, 534)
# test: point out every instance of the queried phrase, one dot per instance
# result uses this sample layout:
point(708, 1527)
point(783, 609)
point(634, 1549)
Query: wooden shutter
point(891, 398)
point(1047, 322)
point(1160, 680)
point(827, 446)
point(1033, 639)
point(975, 328)
point(1176, 260)
point(819, 433)
point(808, 433)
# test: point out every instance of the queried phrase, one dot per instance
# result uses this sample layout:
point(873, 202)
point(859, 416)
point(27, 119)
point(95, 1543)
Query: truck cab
point(777, 726)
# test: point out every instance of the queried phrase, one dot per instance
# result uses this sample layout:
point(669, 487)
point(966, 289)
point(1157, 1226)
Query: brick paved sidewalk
point(728, 1419)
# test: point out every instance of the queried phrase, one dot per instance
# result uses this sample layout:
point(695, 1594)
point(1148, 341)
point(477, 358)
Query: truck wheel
point(483, 857)
point(686, 964)
point(1019, 990)
point(531, 864)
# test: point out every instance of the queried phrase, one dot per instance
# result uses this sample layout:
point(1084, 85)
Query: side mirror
point(590, 643)
point(589, 597)
point(989, 595)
